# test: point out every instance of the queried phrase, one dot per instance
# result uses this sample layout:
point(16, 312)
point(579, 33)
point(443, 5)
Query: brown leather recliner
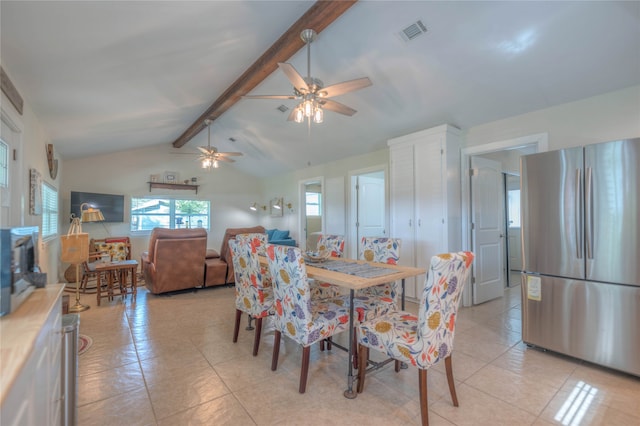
point(219, 267)
point(175, 260)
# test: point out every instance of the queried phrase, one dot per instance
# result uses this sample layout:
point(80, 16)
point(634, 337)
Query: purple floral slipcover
point(303, 319)
point(258, 246)
point(424, 340)
point(382, 250)
point(334, 244)
point(251, 296)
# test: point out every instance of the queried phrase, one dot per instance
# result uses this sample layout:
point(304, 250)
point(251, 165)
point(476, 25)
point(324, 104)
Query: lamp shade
point(91, 214)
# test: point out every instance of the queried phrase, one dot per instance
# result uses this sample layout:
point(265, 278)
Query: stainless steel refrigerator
point(581, 252)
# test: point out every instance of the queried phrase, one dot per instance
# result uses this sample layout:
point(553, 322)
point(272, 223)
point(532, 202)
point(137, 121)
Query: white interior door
point(371, 206)
point(487, 217)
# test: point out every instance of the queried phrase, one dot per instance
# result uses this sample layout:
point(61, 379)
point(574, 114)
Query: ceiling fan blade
point(269, 97)
point(294, 77)
point(233, 154)
point(344, 87)
point(205, 150)
point(225, 159)
point(336, 107)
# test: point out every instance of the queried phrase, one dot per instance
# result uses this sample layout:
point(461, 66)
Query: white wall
point(611, 116)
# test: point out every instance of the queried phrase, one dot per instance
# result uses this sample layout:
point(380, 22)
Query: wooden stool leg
point(424, 407)
point(362, 371)
point(452, 384)
point(256, 337)
point(236, 327)
point(276, 351)
point(304, 370)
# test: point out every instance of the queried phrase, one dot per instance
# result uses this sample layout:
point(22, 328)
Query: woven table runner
point(363, 270)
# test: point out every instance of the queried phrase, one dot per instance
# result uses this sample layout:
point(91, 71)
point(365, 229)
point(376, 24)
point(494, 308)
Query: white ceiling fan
point(209, 155)
point(311, 91)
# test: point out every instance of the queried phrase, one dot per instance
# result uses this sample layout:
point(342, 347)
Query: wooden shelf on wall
point(172, 186)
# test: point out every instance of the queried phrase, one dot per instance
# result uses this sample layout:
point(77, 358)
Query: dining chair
point(299, 316)
point(381, 250)
point(258, 244)
point(252, 296)
point(335, 245)
point(426, 339)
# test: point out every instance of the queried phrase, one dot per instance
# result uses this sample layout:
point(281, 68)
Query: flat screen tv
point(111, 206)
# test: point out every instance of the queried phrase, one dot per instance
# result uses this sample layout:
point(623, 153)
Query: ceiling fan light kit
point(210, 157)
point(313, 96)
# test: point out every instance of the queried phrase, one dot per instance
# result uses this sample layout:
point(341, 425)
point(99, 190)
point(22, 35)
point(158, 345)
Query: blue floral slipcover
point(303, 319)
point(335, 245)
point(382, 250)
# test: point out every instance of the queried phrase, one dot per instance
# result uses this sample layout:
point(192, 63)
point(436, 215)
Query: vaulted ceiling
point(107, 76)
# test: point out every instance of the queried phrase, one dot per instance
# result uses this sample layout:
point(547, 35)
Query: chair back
point(250, 293)
point(292, 300)
point(332, 243)
point(118, 248)
point(257, 241)
point(445, 281)
point(225, 255)
point(382, 250)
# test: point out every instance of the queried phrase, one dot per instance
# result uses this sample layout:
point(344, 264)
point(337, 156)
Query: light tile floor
point(169, 360)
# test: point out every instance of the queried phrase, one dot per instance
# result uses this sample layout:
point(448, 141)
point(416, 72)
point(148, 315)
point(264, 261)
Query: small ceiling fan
point(311, 91)
point(209, 155)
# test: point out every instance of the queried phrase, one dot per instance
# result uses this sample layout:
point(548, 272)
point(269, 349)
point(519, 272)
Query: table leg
point(402, 364)
point(350, 393)
point(134, 281)
point(99, 285)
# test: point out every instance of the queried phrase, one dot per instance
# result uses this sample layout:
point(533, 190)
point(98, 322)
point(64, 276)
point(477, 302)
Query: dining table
point(354, 275)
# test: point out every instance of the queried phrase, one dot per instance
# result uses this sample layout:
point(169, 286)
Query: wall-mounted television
point(111, 206)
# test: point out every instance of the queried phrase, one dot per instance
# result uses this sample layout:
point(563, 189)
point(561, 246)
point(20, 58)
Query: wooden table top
point(116, 265)
point(354, 282)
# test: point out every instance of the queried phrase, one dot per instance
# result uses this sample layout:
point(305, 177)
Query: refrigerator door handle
point(578, 214)
point(588, 201)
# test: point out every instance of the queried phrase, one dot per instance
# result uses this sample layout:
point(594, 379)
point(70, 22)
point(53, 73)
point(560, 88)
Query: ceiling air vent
point(282, 108)
point(412, 31)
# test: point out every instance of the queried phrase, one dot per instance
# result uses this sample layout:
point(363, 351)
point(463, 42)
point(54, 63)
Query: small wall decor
point(276, 207)
point(154, 178)
point(170, 177)
point(35, 192)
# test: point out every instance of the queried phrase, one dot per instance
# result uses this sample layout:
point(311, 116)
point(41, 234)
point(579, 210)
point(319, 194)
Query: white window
point(4, 164)
point(149, 213)
point(313, 203)
point(49, 211)
point(513, 200)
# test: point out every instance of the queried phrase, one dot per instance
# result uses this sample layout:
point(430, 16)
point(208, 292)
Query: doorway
point(508, 154)
point(311, 212)
point(368, 206)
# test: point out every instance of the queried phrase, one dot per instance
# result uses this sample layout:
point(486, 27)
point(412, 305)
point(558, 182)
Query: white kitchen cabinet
point(425, 197)
point(31, 339)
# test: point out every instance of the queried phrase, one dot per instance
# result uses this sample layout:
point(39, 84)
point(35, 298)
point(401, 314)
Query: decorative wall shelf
point(172, 186)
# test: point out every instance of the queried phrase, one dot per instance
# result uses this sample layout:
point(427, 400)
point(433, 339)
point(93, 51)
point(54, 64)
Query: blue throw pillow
point(270, 234)
point(280, 235)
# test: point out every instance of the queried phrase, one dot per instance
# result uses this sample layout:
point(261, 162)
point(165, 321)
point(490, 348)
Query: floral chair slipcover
point(428, 338)
point(298, 315)
point(335, 245)
point(251, 296)
point(382, 250)
point(259, 246)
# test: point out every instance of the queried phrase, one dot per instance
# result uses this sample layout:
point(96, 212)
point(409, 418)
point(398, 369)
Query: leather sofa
point(218, 266)
point(175, 259)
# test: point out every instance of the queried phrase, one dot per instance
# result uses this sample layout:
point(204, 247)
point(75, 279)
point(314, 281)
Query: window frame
point(172, 214)
point(50, 212)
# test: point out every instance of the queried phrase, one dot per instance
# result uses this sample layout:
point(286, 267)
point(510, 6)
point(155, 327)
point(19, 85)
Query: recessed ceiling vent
point(412, 31)
point(282, 108)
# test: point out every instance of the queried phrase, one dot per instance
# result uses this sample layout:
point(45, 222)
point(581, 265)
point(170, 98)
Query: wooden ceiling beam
point(318, 17)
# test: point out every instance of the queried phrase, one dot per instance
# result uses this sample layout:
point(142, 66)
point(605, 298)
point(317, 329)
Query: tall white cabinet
point(425, 197)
